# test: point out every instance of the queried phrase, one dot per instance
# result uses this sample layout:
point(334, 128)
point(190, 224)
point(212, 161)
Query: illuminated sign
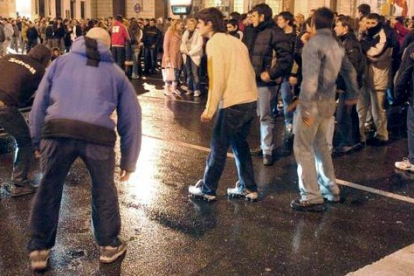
point(181, 7)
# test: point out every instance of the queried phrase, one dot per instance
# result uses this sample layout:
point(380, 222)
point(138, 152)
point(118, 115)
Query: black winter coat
point(269, 50)
point(404, 80)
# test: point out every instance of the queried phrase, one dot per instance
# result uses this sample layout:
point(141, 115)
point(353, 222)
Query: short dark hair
point(323, 18)
point(288, 16)
point(233, 22)
point(347, 21)
point(213, 15)
point(374, 16)
point(263, 9)
point(118, 17)
point(235, 15)
point(364, 9)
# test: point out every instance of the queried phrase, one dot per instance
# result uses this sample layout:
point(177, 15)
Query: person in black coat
point(347, 116)
point(271, 57)
point(24, 73)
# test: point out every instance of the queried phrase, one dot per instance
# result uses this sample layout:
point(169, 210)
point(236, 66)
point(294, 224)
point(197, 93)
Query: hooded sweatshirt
point(22, 75)
point(77, 97)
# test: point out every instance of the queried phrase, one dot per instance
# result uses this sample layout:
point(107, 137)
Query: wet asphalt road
point(170, 234)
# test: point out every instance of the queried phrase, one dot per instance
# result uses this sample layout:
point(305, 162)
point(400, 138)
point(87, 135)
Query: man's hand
point(293, 80)
point(124, 175)
point(265, 76)
point(307, 120)
point(351, 102)
point(37, 153)
point(205, 118)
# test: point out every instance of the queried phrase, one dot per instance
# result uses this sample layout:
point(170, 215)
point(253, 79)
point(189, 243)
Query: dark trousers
point(14, 124)
point(150, 59)
point(410, 133)
point(57, 156)
point(347, 123)
point(231, 129)
point(118, 54)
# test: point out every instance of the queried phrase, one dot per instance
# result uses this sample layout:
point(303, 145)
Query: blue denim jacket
point(323, 59)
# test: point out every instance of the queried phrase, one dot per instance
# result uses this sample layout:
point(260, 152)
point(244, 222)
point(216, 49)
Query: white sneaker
point(405, 165)
point(184, 87)
point(197, 93)
point(239, 191)
point(196, 191)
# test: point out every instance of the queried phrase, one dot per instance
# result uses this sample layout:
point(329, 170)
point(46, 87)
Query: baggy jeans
point(231, 129)
point(57, 156)
point(315, 168)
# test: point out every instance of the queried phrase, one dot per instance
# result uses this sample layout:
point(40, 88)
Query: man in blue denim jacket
point(323, 59)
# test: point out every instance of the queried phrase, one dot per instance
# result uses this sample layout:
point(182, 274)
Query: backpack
point(2, 34)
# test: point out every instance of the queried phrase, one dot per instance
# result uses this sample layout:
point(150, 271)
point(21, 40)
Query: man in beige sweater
point(233, 93)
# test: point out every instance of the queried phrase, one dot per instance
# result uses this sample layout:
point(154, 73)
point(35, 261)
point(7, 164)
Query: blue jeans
point(231, 129)
point(267, 121)
point(14, 123)
point(193, 77)
point(150, 58)
point(315, 168)
point(57, 156)
point(118, 54)
point(287, 94)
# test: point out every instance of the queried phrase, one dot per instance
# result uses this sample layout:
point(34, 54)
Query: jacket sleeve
point(129, 126)
point(310, 70)
point(402, 79)
point(166, 45)
point(41, 103)
point(284, 56)
point(198, 44)
point(215, 68)
point(349, 76)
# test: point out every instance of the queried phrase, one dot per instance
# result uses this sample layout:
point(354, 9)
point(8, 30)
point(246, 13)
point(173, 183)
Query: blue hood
point(79, 47)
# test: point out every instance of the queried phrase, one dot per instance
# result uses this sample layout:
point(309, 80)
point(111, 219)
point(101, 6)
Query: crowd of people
point(325, 68)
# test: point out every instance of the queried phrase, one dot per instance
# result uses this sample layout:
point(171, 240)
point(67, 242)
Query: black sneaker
point(335, 200)
point(268, 160)
point(306, 206)
point(256, 152)
point(109, 254)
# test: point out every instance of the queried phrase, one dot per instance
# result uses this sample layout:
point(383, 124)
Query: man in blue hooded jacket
point(71, 118)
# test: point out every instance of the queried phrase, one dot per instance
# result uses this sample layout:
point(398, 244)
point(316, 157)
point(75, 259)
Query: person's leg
point(362, 108)
point(267, 122)
point(240, 118)
point(14, 123)
point(379, 114)
point(56, 159)
point(100, 162)
point(323, 161)
point(305, 159)
point(216, 160)
point(344, 122)
point(410, 133)
point(287, 95)
point(195, 75)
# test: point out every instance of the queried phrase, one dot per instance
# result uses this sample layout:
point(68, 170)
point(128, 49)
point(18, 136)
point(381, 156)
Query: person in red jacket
point(119, 36)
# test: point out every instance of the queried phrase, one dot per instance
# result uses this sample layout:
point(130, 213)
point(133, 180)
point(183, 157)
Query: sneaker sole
point(238, 196)
point(105, 260)
point(202, 197)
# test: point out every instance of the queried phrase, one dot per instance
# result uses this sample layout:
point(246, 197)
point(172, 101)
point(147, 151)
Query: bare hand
point(293, 80)
point(124, 175)
point(351, 102)
point(307, 120)
point(265, 76)
point(205, 118)
point(37, 153)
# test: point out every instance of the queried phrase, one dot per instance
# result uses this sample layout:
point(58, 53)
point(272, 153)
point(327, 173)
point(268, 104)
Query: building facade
point(161, 8)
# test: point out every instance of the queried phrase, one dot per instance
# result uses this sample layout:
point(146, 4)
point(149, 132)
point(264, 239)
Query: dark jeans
point(150, 59)
point(57, 156)
point(118, 54)
point(347, 123)
point(14, 123)
point(192, 72)
point(231, 129)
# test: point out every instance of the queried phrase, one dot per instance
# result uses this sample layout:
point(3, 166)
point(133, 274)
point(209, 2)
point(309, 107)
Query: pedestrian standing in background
point(172, 57)
point(119, 36)
point(323, 59)
point(192, 49)
point(73, 119)
point(233, 93)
